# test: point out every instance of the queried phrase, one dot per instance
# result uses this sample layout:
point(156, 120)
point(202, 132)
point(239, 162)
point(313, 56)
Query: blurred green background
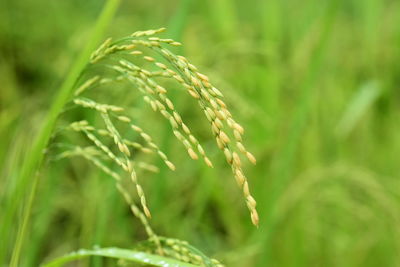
point(315, 83)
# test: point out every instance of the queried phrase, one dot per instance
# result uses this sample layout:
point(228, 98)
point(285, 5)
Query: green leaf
point(118, 253)
point(364, 98)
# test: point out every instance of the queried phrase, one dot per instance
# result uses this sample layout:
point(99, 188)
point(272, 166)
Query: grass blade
point(358, 106)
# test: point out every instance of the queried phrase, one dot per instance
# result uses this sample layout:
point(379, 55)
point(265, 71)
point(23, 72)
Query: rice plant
point(314, 84)
point(142, 66)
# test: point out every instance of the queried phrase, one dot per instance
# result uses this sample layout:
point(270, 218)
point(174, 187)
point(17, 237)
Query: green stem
point(35, 156)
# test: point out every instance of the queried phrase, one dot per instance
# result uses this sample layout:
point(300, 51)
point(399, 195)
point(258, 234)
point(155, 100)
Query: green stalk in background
point(35, 156)
point(285, 161)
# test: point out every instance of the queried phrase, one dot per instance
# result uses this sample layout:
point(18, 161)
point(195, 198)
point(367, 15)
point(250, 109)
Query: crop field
point(200, 133)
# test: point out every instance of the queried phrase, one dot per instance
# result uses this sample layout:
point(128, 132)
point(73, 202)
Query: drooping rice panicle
point(147, 72)
point(198, 85)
